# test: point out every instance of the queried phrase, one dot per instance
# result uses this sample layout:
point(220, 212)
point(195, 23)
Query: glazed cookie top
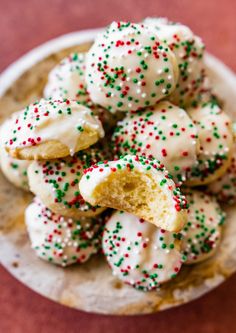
point(216, 140)
point(164, 132)
point(60, 178)
point(129, 68)
point(139, 253)
point(189, 50)
point(59, 240)
point(46, 121)
point(202, 232)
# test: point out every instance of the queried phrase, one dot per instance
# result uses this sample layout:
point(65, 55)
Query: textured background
point(25, 24)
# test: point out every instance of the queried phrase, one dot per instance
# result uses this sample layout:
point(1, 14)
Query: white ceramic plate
point(91, 286)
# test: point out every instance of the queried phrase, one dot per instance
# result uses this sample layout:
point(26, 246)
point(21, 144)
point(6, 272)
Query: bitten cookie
point(164, 132)
point(139, 253)
point(189, 50)
point(216, 143)
point(47, 129)
point(67, 81)
point(129, 68)
point(55, 182)
point(139, 186)
point(59, 240)
point(202, 232)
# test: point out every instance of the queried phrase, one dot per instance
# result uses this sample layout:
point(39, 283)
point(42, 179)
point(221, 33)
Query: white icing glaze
point(45, 120)
point(165, 132)
point(139, 253)
point(128, 68)
point(59, 240)
point(202, 232)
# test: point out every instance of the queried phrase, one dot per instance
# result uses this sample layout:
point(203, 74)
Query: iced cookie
point(55, 182)
point(14, 170)
point(189, 50)
point(139, 253)
point(164, 132)
point(137, 185)
point(67, 81)
point(202, 232)
point(129, 68)
point(216, 143)
point(59, 240)
point(47, 129)
point(224, 188)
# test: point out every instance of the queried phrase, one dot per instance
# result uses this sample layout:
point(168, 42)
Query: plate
point(92, 287)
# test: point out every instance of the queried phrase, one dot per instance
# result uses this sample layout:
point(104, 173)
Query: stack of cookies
point(127, 152)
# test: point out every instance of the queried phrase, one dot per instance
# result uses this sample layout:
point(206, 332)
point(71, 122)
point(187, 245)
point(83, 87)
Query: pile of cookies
point(128, 153)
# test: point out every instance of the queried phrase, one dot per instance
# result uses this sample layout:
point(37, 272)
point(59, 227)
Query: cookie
point(139, 253)
point(67, 81)
point(164, 132)
point(188, 48)
point(59, 240)
point(47, 130)
point(13, 169)
point(202, 232)
point(216, 143)
point(224, 188)
point(129, 68)
point(55, 182)
point(139, 186)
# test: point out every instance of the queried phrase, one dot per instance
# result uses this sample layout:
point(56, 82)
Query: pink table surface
point(25, 24)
